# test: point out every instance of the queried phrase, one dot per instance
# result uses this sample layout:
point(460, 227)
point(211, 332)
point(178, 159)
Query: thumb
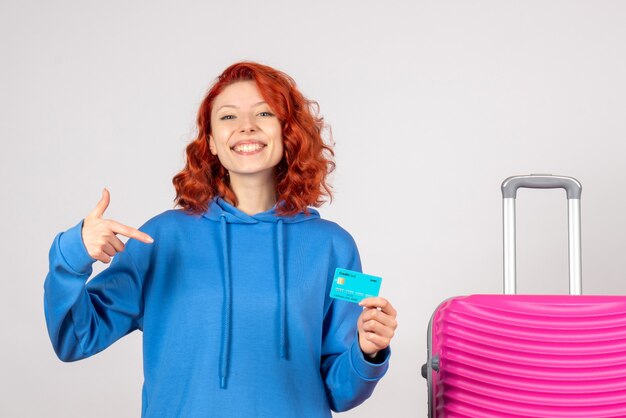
point(102, 205)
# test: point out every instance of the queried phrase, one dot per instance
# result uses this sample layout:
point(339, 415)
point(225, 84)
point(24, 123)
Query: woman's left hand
point(377, 325)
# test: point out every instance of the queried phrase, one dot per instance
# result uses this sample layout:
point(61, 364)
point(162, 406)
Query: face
point(245, 134)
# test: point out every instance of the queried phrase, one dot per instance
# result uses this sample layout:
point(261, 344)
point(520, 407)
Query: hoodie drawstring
point(227, 307)
point(227, 304)
point(282, 293)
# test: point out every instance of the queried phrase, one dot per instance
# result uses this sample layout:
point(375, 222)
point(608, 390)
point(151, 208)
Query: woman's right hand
point(99, 235)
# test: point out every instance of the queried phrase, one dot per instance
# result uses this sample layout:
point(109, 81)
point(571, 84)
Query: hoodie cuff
point(366, 369)
point(74, 251)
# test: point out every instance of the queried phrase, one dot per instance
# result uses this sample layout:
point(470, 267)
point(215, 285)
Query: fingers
point(99, 235)
point(129, 232)
point(104, 253)
point(374, 315)
point(381, 303)
point(378, 329)
point(378, 341)
point(106, 247)
point(116, 243)
point(377, 324)
point(117, 227)
point(102, 205)
point(109, 250)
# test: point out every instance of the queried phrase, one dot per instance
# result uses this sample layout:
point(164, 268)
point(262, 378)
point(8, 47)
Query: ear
point(212, 145)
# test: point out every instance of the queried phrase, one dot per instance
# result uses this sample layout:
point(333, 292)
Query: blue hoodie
point(234, 310)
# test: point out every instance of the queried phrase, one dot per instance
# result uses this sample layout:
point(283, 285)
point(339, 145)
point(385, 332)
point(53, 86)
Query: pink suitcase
point(529, 355)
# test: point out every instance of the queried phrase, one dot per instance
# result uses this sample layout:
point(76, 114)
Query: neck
point(255, 193)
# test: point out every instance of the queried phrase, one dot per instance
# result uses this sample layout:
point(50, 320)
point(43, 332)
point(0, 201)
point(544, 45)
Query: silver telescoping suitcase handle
point(573, 189)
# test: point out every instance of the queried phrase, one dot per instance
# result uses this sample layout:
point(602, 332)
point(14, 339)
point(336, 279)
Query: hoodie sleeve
point(85, 318)
point(349, 378)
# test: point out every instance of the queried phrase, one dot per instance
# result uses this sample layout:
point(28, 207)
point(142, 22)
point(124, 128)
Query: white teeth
point(248, 147)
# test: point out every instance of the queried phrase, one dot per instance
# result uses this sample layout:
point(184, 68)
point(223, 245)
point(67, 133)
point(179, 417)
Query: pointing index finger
point(129, 232)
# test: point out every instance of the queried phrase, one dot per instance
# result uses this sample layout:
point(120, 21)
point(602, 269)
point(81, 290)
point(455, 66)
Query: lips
point(248, 147)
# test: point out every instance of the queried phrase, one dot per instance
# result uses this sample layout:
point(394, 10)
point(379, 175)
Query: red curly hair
point(307, 160)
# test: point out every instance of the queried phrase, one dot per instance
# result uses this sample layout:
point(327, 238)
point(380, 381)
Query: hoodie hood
point(223, 212)
point(219, 208)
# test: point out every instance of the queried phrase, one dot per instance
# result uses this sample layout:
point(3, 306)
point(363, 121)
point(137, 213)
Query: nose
point(248, 123)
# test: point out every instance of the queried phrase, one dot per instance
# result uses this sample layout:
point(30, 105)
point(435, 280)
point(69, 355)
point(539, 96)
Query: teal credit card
point(353, 286)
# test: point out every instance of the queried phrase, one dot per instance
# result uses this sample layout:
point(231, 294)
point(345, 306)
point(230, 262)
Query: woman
point(231, 291)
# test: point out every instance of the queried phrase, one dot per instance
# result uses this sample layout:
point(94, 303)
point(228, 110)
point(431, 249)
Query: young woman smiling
point(231, 291)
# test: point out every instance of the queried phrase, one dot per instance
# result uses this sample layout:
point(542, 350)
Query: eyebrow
point(237, 107)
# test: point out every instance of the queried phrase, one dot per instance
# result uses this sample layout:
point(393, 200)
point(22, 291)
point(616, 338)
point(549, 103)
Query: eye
point(266, 113)
point(227, 117)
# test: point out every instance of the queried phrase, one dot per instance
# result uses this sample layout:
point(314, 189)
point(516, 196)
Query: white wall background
point(432, 105)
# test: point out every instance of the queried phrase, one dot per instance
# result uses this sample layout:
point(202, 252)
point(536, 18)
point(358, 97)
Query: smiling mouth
point(248, 148)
